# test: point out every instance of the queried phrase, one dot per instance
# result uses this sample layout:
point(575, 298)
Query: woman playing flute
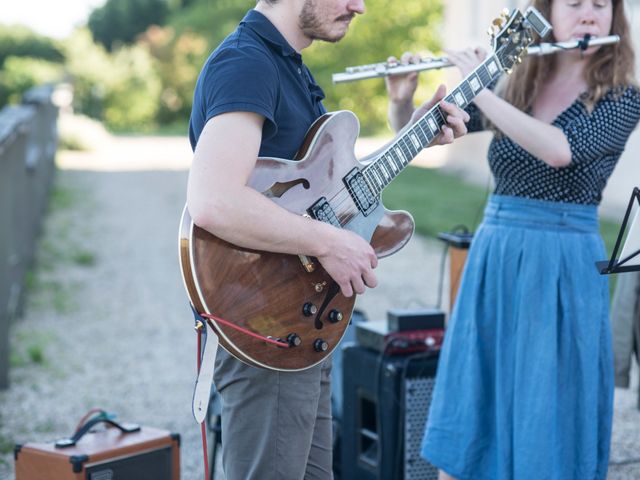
point(524, 388)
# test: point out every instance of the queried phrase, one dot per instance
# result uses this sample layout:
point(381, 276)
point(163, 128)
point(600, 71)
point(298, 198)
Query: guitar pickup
point(360, 192)
point(322, 211)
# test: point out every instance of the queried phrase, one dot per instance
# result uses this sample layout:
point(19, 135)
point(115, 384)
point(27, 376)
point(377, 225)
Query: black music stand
point(631, 247)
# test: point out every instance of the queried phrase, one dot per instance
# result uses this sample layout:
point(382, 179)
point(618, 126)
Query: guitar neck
point(406, 146)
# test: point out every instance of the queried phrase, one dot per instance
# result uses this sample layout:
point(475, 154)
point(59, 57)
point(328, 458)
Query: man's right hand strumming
point(350, 261)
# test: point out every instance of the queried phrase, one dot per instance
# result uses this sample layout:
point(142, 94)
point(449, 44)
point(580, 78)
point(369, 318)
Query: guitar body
point(266, 293)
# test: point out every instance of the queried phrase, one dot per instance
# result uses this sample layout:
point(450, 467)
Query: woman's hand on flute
point(466, 60)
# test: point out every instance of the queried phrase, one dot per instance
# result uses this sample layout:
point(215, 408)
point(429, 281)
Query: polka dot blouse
point(596, 138)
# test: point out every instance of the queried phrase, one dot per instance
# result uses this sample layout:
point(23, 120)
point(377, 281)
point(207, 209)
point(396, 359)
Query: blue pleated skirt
point(524, 388)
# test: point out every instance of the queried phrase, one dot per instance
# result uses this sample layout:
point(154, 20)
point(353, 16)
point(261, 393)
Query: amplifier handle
point(123, 427)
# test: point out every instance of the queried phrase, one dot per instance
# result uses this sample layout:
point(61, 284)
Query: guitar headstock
point(512, 33)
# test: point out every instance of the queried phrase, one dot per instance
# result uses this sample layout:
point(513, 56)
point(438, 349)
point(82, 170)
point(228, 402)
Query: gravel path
point(107, 323)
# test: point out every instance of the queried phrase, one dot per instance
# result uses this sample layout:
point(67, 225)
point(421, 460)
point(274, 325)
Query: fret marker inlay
point(432, 125)
point(415, 141)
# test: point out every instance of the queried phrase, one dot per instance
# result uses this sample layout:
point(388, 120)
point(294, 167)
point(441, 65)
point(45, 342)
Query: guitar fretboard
point(399, 154)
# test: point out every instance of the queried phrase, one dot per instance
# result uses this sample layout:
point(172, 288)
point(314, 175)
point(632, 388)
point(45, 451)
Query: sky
point(48, 17)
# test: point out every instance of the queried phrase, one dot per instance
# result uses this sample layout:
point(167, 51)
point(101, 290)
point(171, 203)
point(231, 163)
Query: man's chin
point(332, 37)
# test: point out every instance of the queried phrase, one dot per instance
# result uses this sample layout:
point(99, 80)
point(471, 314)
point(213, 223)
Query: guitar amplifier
point(386, 404)
point(109, 454)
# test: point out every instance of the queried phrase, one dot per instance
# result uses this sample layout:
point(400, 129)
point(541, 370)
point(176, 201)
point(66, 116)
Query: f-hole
point(278, 189)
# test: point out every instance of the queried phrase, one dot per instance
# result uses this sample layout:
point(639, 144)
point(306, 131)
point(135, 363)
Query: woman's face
point(573, 19)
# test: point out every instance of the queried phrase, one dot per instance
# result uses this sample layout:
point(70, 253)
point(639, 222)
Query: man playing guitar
point(256, 98)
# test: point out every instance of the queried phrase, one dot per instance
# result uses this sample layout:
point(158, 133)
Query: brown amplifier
point(128, 452)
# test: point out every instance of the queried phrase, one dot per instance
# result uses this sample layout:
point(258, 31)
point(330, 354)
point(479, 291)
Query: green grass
point(62, 197)
point(6, 445)
point(83, 258)
point(438, 201)
point(30, 348)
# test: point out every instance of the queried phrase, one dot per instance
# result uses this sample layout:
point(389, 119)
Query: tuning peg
point(491, 32)
point(498, 22)
point(505, 13)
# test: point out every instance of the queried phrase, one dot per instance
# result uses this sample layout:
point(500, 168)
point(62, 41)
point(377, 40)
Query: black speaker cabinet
point(386, 402)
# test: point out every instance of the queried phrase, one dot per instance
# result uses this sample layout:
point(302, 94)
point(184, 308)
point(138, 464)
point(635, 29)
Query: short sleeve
point(604, 131)
point(242, 80)
point(476, 122)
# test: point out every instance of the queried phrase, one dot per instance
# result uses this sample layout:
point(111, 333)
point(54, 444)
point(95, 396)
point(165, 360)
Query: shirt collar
point(260, 24)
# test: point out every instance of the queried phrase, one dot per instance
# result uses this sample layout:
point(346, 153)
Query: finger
point(452, 109)
point(392, 59)
point(437, 96)
point(370, 279)
point(458, 126)
point(406, 57)
point(457, 123)
point(346, 289)
point(457, 112)
point(358, 285)
point(447, 135)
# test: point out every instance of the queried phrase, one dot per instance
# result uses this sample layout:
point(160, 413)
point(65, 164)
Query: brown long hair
point(612, 66)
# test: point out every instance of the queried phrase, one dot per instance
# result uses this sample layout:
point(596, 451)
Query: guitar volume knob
point(335, 316)
point(309, 309)
point(320, 345)
point(294, 340)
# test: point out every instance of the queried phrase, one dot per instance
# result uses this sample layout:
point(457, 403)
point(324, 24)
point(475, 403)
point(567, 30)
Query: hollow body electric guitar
point(284, 312)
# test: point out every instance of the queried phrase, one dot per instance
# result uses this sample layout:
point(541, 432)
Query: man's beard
point(312, 26)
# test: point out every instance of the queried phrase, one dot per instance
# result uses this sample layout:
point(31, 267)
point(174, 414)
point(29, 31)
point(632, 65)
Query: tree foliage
point(177, 61)
point(23, 42)
point(26, 60)
point(122, 88)
point(121, 21)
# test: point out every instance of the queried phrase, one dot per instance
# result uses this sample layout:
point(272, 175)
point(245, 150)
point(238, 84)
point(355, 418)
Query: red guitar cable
point(278, 343)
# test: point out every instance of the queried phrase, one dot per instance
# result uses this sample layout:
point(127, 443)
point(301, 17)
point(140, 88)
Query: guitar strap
point(208, 351)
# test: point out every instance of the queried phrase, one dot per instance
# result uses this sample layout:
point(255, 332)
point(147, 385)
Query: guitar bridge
point(360, 192)
point(322, 211)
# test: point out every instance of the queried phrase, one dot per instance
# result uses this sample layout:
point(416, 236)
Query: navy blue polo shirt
point(255, 70)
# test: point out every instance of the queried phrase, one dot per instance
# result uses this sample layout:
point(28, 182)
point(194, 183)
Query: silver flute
point(387, 69)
